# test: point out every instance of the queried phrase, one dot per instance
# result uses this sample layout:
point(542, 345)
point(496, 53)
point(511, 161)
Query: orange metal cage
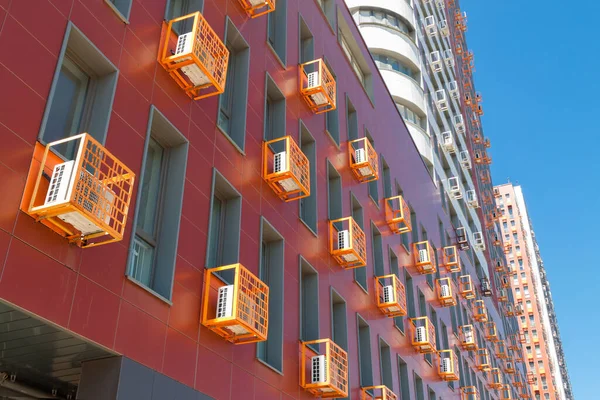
point(325, 373)
point(380, 392)
point(479, 311)
point(424, 258)
point(509, 366)
point(422, 333)
point(256, 8)
point(347, 243)
point(364, 160)
point(466, 334)
point(450, 259)
point(391, 295)
point(491, 333)
point(286, 169)
point(495, 378)
point(482, 360)
point(505, 392)
point(397, 214)
point(465, 287)
point(87, 197)
point(199, 58)
point(444, 288)
point(447, 365)
point(235, 304)
point(469, 393)
point(501, 350)
point(317, 86)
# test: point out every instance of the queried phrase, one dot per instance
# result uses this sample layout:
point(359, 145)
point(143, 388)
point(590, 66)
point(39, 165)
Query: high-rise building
point(221, 199)
point(538, 326)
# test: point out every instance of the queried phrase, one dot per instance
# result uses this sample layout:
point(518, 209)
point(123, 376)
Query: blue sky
point(537, 69)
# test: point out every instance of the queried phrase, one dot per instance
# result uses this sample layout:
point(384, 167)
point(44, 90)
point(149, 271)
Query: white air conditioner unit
point(468, 337)
point(388, 294)
point(420, 334)
point(445, 290)
point(485, 285)
point(95, 198)
point(453, 89)
point(465, 159)
point(444, 28)
point(192, 71)
point(423, 256)
point(440, 4)
point(343, 243)
point(446, 365)
point(313, 82)
point(454, 188)
point(441, 101)
point(318, 369)
point(448, 142)
point(459, 123)
point(472, 199)
point(435, 60)
point(225, 308)
point(478, 241)
point(430, 26)
point(449, 58)
point(360, 156)
point(280, 165)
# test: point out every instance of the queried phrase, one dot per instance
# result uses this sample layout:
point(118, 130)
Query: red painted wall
point(87, 292)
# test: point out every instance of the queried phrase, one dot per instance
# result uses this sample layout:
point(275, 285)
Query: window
point(351, 120)
point(233, 101)
point(121, 7)
point(373, 189)
point(274, 109)
point(377, 246)
point(538, 350)
point(415, 231)
point(328, 8)
point(271, 273)
point(375, 16)
point(360, 274)
point(526, 291)
point(332, 122)
point(364, 352)
point(405, 237)
point(153, 247)
point(531, 319)
point(403, 379)
point(224, 226)
point(517, 291)
point(410, 296)
point(393, 64)
point(419, 387)
point(81, 94)
point(431, 393)
point(334, 192)
point(387, 178)
point(411, 116)
point(307, 46)
point(395, 269)
point(534, 334)
point(277, 30)
point(510, 213)
point(385, 363)
point(179, 8)
point(339, 324)
point(309, 301)
point(528, 305)
point(308, 205)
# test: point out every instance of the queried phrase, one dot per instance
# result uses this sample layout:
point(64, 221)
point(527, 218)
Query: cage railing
point(479, 311)
point(444, 288)
point(469, 393)
point(422, 333)
point(491, 332)
point(495, 379)
point(391, 295)
point(451, 259)
point(256, 8)
point(424, 258)
point(363, 160)
point(467, 337)
point(465, 287)
point(323, 373)
point(286, 168)
point(482, 360)
point(447, 365)
point(380, 392)
point(317, 86)
point(397, 215)
point(347, 243)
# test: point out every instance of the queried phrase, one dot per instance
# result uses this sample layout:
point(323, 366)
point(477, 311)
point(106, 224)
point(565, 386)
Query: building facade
point(542, 348)
point(221, 199)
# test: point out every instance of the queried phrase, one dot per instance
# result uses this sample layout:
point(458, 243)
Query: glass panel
point(142, 261)
point(214, 257)
point(227, 96)
point(151, 187)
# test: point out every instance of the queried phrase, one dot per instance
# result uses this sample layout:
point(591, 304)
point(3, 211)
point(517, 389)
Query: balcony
point(347, 243)
point(235, 304)
point(495, 379)
point(286, 169)
point(466, 335)
point(85, 198)
point(397, 215)
point(317, 86)
point(450, 259)
point(391, 296)
point(479, 311)
point(404, 87)
point(323, 373)
point(422, 141)
point(363, 160)
point(402, 8)
point(491, 333)
point(196, 60)
point(422, 334)
point(447, 365)
point(256, 8)
point(444, 288)
point(380, 392)
point(424, 258)
point(465, 287)
point(482, 360)
point(469, 393)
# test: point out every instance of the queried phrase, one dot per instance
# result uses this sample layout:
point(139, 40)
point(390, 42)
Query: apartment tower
point(542, 349)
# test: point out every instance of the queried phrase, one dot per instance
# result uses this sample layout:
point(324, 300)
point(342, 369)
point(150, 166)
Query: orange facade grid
point(380, 392)
point(363, 160)
point(424, 258)
point(391, 295)
point(323, 373)
point(256, 8)
point(422, 333)
point(87, 198)
point(397, 215)
point(317, 86)
point(196, 60)
point(286, 168)
point(235, 304)
point(347, 243)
